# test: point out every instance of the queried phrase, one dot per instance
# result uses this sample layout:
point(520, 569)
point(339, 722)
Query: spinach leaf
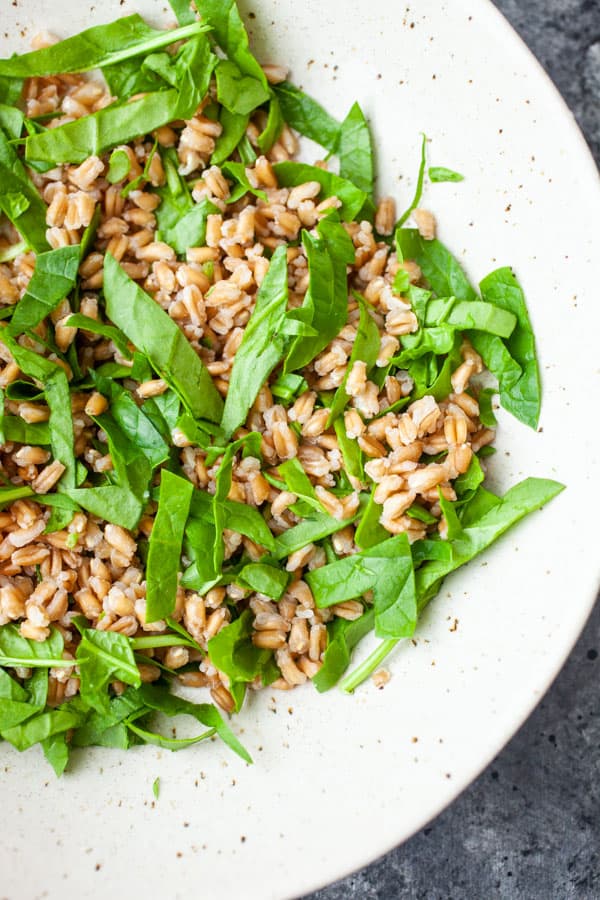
point(365, 348)
point(342, 636)
point(56, 751)
point(439, 173)
point(273, 128)
point(237, 172)
point(120, 122)
point(19, 651)
point(234, 128)
point(183, 11)
point(387, 570)
point(11, 121)
point(523, 498)
point(497, 515)
point(133, 422)
point(122, 502)
point(18, 704)
point(104, 728)
point(58, 398)
point(369, 531)
point(19, 199)
point(11, 493)
point(470, 314)
point(248, 521)
point(119, 166)
point(262, 346)
point(159, 699)
point(164, 552)
point(222, 488)
point(102, 45)
point(63, 510)
point(231, 36)
point(521, 397)
point(102, 657)
point(486, 407)
point(297, 482)
point(16, 429)
point(53, 279)
point(355, 150)
point(199, 545)
point(311, 529)
point(43, 726)
point(307, 116)
point(238, 92)
point(10, 90)
point(232, 652)
point(290, 174)
point(440, 267)
point(351, 452)
point(158, 337)
point(288, 387)
point(419, 186)
point(326, 299)
point(78, 320)
point(190, 229)
point(264, 578)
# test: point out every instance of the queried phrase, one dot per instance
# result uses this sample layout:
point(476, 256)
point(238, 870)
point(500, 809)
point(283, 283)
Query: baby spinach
point(353, 199)
point(224, 19)
point(133, 422)
point(440, 173)
point(355, 151)
point(119, 166)
point(15, 428)
point(520, 395)
point(387, 570)
point(119, 123)
point(326, 299)
point(496, 516)
point(262, 346)
point(273, 127)
point(369, 531)
point(440, 267)
point(307, 116)
point(16, 650)
point(365, 348)
point(43, 726)
point(264, 578)
point(232, 652)
point(183, 11)
point(234, 128)
point(102, 657)
point(470, 314)
point(157, 336)
point(53, 279)
point(19, 199)
point(77, 320)
point(102, 45)
point(342, 636)
point(158, 699)
point(237, 172)
point(419, 186)
point(238, 92)
point(164, 552)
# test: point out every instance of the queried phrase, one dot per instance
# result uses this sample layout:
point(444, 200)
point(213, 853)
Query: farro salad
point(244, 418)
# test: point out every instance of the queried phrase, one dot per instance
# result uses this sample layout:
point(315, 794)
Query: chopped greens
point(246, 419)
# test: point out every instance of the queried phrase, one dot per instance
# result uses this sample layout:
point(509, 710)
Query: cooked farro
point(244, 420)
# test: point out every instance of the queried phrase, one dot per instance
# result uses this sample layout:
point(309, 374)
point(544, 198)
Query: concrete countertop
point(529, 827)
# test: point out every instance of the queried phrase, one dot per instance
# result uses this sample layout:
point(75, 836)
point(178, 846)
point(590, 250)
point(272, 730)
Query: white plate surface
point(339, 780)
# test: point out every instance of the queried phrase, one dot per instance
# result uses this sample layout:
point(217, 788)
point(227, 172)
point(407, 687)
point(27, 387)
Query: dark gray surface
point(529, 827)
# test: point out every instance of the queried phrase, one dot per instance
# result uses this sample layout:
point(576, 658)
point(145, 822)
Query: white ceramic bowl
point(338, 780)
